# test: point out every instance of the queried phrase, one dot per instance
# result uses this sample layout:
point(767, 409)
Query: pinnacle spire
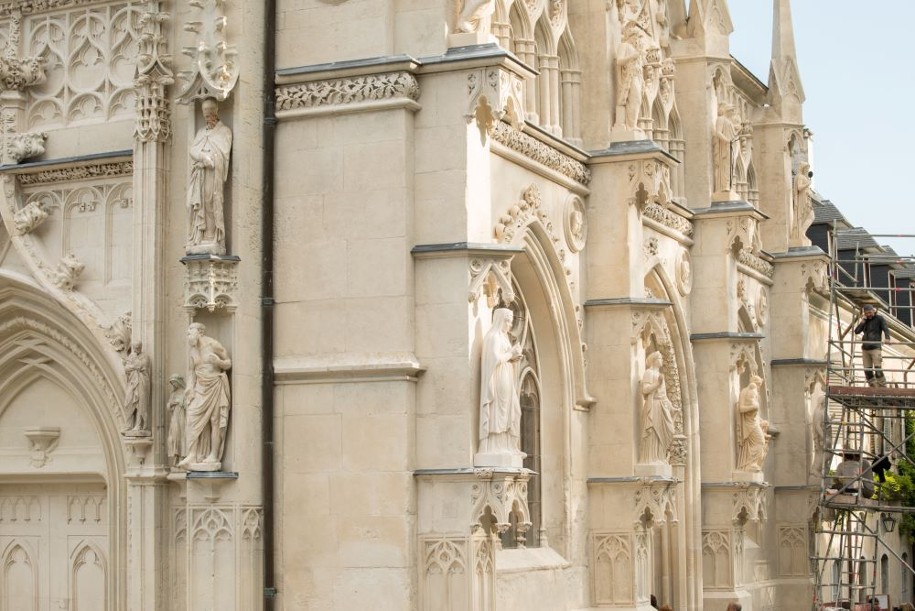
point(784, 76)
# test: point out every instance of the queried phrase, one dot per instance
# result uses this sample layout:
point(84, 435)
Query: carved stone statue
point(725, 147)
point(630, 77)
point(657, 422)
point(803, 210)
point(208, 401)
point(138, 368)
point(500, 402)
point(176, 442)
point(471, 13)
point(209, 171)
point(29, 217)
point(752, 431)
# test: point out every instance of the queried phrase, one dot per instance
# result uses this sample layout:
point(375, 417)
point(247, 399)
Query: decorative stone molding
point(654, 499)
point(80, 172)
point(816, 277)
point(669, 219)
point(153, 75)
point(351, 91)
point(17, 147)
point(119, 333)
point(755, 263)
point(543, 154)
point(211, 282)
point(43, 440)
point(495, 94)
point(504, 493)
point(215, 71)
point(29, 217)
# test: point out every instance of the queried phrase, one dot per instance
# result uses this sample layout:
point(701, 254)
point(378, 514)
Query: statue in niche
point(752, 431)
point(207, 399)
point(657, 422)
point(138, 368)
point(630, 68)
point(176, 442)
point(209, 171)
point(471, 14)
point(725, 146)
point(803, 210)
point(500, 402)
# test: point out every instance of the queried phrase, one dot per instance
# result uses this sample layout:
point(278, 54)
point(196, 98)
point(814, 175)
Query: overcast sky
point(857, 67)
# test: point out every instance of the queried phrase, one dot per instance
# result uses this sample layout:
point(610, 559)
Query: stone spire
point(709, 17)
point(786, 94)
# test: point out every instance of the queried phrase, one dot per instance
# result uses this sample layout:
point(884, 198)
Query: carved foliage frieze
point(543, 154)
point(347, 91)
point(90, 54)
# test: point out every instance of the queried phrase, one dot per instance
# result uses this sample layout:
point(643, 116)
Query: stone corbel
point(495, 94)
point(43, 440)
point(492, 277)
point(215, 70)
point(29, 217)
point(749, 503)
point(504, 493)
point(211, 282)
point(654, 499)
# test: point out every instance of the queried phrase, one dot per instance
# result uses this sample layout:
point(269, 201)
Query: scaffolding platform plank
point(872, 391)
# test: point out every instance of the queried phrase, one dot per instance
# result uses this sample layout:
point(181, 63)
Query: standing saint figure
point(752, 431)
point(176, 442)
point(209, 170)
point(725, 149)
point(630, 70)
point(500, 401)
point(207, 400)
point(137, 367)
point(803, 210)
point(657, 423)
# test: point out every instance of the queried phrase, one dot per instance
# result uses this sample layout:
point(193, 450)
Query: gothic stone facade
point(604, 170)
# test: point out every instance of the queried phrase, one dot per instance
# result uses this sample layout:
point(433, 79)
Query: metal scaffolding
point(864, 426)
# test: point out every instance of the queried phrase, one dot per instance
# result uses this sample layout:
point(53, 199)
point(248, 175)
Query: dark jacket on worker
point(873, 328)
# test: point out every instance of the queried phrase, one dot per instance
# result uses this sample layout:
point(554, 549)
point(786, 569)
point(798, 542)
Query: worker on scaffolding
point(854, 474)
point(874, 328)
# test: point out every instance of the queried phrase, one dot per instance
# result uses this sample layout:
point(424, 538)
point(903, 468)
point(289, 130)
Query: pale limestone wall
point(411, 185)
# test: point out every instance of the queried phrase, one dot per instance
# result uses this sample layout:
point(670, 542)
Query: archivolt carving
point(29, 217)
point(95, 72)
point(101, 383)
point(353, 90)
point(536, 150)
point(521, 214)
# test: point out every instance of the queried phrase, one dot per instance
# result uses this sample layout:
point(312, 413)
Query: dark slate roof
point(907, 272)
point(849, 239)
point(826, 212)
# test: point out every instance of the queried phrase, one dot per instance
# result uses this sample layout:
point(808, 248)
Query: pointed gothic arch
point(43, 343)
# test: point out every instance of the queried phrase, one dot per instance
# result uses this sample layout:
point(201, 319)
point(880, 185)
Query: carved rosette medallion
point(576, 225)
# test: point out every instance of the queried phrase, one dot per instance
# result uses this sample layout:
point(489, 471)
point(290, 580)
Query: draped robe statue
point(208, 401)
point(176, 442)
point(209, 171)
point(752, 431)
point(137, 367)
point(657, 423)
point(500, 401)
